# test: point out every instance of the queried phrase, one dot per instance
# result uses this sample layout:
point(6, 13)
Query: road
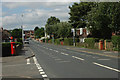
point(54, 62)
point(62, 62)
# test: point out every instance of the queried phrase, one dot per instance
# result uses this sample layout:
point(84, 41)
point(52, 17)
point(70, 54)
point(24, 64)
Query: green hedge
point(90, 42)
point(6, 48)
point(116, 42)
point(68, 41)
point(19, 40)
point(57, 41)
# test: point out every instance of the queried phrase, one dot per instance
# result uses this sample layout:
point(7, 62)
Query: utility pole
point(22, 30)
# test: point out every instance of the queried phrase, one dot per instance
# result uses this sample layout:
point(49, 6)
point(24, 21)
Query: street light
point(22, 30)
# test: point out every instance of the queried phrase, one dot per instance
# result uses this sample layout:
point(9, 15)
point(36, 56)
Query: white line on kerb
point(106, 67)
point(42, 73)
point(28, 61)
point(78, 58)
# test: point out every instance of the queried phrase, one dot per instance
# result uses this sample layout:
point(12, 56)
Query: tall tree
point(50, 24)
point(78, 11)
point(36, 28)
point(39, 33)
point(52, 20)
point(103, 19)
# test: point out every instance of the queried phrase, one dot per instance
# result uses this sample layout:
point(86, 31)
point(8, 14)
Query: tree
point(36, 28)
point(52, 20)
point(16, 33)
point(64, 29)
point(78, 11)
point(39, 33)
point(50, 24)
point(103, 19)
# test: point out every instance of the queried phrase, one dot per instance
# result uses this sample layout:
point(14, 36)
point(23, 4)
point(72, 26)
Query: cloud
point(35, 16)
point(41, 1)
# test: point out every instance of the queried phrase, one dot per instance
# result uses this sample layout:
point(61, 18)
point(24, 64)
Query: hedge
point(116, 42)
point(57, 41)
point(91, 42)
point(6, 48)
point(68, 41)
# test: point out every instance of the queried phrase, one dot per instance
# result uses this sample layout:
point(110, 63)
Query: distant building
point(29, 34)
point(5, 35)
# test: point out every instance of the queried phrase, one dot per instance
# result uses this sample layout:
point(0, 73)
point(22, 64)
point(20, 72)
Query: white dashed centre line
point(106, 67)
point(77, 58)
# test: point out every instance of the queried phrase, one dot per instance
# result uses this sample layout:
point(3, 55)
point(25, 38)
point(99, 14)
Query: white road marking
point(106, 67)
point(42, 73)
point(41, 70)
point(44, 76)
point(28, 61)
point(103, 59)
point(64, 53)
point(50, 49)
point(78, 58)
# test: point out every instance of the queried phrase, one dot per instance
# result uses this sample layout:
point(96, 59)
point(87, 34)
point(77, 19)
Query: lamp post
point(22, 30)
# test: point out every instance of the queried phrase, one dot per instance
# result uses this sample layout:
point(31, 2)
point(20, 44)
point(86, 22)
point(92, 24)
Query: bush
point(43, 40)
point(116, 42)
point(6, 48)
point(57, 41)
point(19, 40)
point(68, 41)
point(91, 42)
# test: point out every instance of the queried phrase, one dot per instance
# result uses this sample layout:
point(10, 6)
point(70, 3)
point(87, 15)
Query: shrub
point(19, 40)
point(116, 42)
point(91, 42)
point(57, 41)
point(68, 41)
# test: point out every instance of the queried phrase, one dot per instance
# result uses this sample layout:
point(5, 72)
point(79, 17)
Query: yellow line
point(95, 53)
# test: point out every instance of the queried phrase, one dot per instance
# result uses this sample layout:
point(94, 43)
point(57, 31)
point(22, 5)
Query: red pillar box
point(12, 48)
point(101, 45)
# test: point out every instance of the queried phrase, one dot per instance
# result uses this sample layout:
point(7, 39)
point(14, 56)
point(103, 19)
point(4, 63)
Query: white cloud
point(35, 16)
point(41, 1)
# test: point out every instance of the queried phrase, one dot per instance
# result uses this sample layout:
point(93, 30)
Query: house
point(82, 33)
point(5, 35)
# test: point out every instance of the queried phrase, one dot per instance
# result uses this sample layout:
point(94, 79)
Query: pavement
point(45, 61)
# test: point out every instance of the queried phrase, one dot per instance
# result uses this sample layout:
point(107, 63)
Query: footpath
point(19, 67)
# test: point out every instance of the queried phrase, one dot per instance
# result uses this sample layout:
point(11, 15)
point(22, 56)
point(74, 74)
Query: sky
point(34, 13)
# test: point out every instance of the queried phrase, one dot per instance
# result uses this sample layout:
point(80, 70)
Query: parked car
point(26, 41)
